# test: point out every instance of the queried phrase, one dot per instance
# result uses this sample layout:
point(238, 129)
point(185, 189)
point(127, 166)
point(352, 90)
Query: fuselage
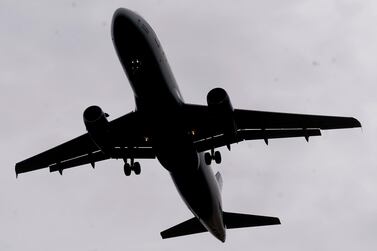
point(158, 98)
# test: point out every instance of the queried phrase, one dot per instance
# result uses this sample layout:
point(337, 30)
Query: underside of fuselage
point(201, 193)
point(144, 63)
point(157, 95)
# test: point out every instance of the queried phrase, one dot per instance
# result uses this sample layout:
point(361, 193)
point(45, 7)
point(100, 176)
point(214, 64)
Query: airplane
point(182, 136)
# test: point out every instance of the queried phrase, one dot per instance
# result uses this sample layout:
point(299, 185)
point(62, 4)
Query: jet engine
point(221, 112)
point(97, 125)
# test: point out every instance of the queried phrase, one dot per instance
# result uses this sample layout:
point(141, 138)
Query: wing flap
point(117, 153)
point(221, 140)
point(81, 160)
point(275, 134)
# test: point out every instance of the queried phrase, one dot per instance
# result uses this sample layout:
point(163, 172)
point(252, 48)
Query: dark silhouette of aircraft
point(182, 136)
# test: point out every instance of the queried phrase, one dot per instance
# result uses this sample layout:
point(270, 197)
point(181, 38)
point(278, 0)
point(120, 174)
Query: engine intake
point(221, 112)
point(97, 125)
point(219, 101)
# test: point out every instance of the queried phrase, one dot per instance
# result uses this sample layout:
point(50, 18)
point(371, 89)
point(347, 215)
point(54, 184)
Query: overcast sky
point(303, 56)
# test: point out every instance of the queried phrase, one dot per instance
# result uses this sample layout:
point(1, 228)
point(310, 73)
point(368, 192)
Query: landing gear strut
point(214, 155)
point(133, 166)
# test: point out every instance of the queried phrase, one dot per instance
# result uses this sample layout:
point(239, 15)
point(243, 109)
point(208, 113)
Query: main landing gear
point(133, 166)
point(214, 155)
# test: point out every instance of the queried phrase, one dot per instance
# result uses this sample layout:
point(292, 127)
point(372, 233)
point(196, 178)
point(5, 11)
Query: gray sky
point(313, 56)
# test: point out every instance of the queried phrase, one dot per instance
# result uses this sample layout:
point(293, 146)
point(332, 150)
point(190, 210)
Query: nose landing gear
point(214, 155)
point(133, 166)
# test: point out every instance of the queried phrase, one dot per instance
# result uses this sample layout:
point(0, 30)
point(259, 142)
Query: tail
point(235, 220)
point(231, 220)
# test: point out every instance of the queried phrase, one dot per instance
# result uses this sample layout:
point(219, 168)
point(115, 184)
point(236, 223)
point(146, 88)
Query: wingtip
point(278, 222)
point(16, 169)
point(357, 123)
point(163, 235)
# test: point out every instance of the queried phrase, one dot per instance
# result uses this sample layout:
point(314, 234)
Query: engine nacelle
point(221, 112)
point(97, 125)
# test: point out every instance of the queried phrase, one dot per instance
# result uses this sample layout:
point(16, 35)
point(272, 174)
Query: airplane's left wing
point(249, 119)
point(126, 139)
point(222, 140)
point(208, 132)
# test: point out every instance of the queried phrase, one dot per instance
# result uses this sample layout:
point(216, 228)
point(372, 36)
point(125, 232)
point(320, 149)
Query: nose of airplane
point(125, 33)
point(123, 12)
point(122, 18)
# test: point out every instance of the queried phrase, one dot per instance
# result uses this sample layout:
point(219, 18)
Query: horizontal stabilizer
point(231, 220)
point(235, 220)
point(191, 226)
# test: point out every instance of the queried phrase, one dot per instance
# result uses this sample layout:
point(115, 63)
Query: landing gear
point(127, 169)
point(217, 157)
point(133, 166)
point(137, 168)
point(208, 157)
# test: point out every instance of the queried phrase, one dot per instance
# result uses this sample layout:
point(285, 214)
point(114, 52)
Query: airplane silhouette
point(182, 136)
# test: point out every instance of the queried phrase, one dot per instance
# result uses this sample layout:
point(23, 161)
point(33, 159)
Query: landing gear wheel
point(217, 157)
point(137, 168)
point(208, 158)
point(127, 169)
